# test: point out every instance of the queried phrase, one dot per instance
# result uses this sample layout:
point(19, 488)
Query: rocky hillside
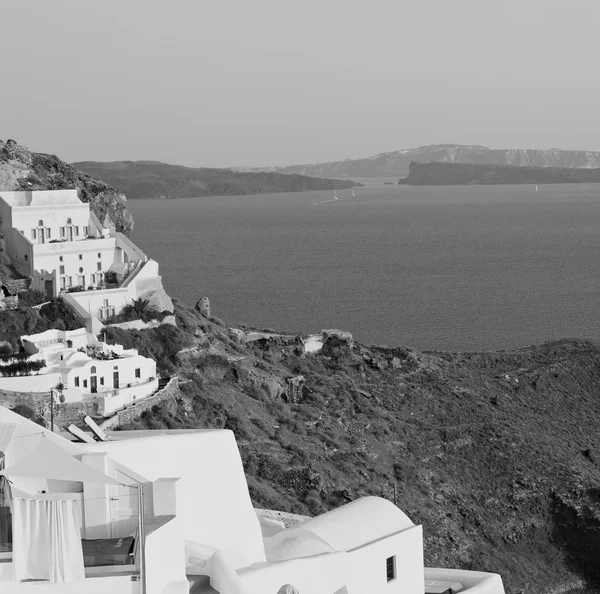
point(21, 169)
point(152, 179)
point(396, 163)
point(496, 454)
point(444, 174)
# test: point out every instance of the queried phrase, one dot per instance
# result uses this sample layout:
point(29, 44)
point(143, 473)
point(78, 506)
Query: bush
point(29, 413)
point(31, 297)
point(21, 368)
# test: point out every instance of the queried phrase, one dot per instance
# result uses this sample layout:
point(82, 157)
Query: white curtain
point(47, 541)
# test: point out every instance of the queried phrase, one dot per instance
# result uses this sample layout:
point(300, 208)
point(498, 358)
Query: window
point(81, 256)
point(85, 231)
point(62, 269)
point(48, 232)
point(99, 255)
point(101, 381)
point(80, 269)
point(63, 232)
point(77, 382)
point(26, 257)
point(77, 230)
point(69, 221)
point(99, 265)
point(105, 302)
point(85, 386)
point(390, 568)
point(33, 234)
point(40, 223)
point(138, 372)
point(61, 258)
point(115, 367)
point(93, 369)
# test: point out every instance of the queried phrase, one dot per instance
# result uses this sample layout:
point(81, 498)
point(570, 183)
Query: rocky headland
point(21, 169)
point(446, 174)
point(152, 179)
point(396, 163)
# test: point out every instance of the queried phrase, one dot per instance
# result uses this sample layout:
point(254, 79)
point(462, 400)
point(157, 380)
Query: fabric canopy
point(48, 461)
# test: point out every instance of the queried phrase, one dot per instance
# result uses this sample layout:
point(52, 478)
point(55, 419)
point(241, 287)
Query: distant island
point(153, 179)
point(396, 163)
point(452, 174)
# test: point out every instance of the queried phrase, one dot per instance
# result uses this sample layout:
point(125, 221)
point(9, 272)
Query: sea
point(460, 268)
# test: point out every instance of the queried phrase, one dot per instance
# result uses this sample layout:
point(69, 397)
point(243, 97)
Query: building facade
point(52, 238)
point(81, 368)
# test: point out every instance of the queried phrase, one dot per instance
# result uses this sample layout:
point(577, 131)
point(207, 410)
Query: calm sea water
point(456, 268)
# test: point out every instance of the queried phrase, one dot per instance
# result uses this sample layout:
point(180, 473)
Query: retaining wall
point(64, 413)
point(171, 390)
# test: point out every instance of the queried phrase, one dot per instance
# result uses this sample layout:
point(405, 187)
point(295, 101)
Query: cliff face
point(445, 174)
point(495, 454)
point(21, 169)
point(152, 179)
point(396, 163)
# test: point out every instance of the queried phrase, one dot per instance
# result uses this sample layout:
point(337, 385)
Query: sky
point(274, 82)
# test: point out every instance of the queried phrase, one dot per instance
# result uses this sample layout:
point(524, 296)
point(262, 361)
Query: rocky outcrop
point(444, 174)
point(337, 343)
point(203, 306)
point(21, 169)
point(396, 163)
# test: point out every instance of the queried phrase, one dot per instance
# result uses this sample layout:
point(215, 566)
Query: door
point(116, 380)
point(93, 384)
point(123, 508)
point(70, 233)
point(81, 280)
point(49, 289)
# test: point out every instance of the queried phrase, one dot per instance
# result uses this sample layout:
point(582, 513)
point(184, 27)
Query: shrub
point(31, 297)
point(29, 413)
point(21, 368)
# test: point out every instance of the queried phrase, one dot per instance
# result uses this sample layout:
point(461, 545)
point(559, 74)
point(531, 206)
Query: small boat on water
point(353, 192)
point(335, 195)
point(536, 188)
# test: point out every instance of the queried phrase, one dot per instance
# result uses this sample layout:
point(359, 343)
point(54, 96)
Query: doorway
point(116, 380)
point(93, 384)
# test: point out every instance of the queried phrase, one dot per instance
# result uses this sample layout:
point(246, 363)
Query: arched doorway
point(93, 380)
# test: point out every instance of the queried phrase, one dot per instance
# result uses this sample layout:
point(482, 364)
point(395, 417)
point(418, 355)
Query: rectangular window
point(77, 230)
point(138, 372)
point(33, 234)
point(81, 256)
point(105, 302)
point(101, 381)
point(48, 232)
point(99, 255)
point(85, 231)
point(99, 265)
point(390, 568)
point(85, 386)
point(63, 233)
point(77, 382)
point(26, 257)
point(60, 258)
point(62, 269)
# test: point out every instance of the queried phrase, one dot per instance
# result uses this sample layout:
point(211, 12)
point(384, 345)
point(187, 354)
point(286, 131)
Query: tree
point(140, 309)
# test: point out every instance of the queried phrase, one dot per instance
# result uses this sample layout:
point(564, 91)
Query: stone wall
point(64, 413)
point(171, 390)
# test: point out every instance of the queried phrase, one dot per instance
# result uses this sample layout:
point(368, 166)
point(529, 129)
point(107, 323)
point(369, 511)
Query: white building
point(54, 239)
point(87, 370)
point(199, 531)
